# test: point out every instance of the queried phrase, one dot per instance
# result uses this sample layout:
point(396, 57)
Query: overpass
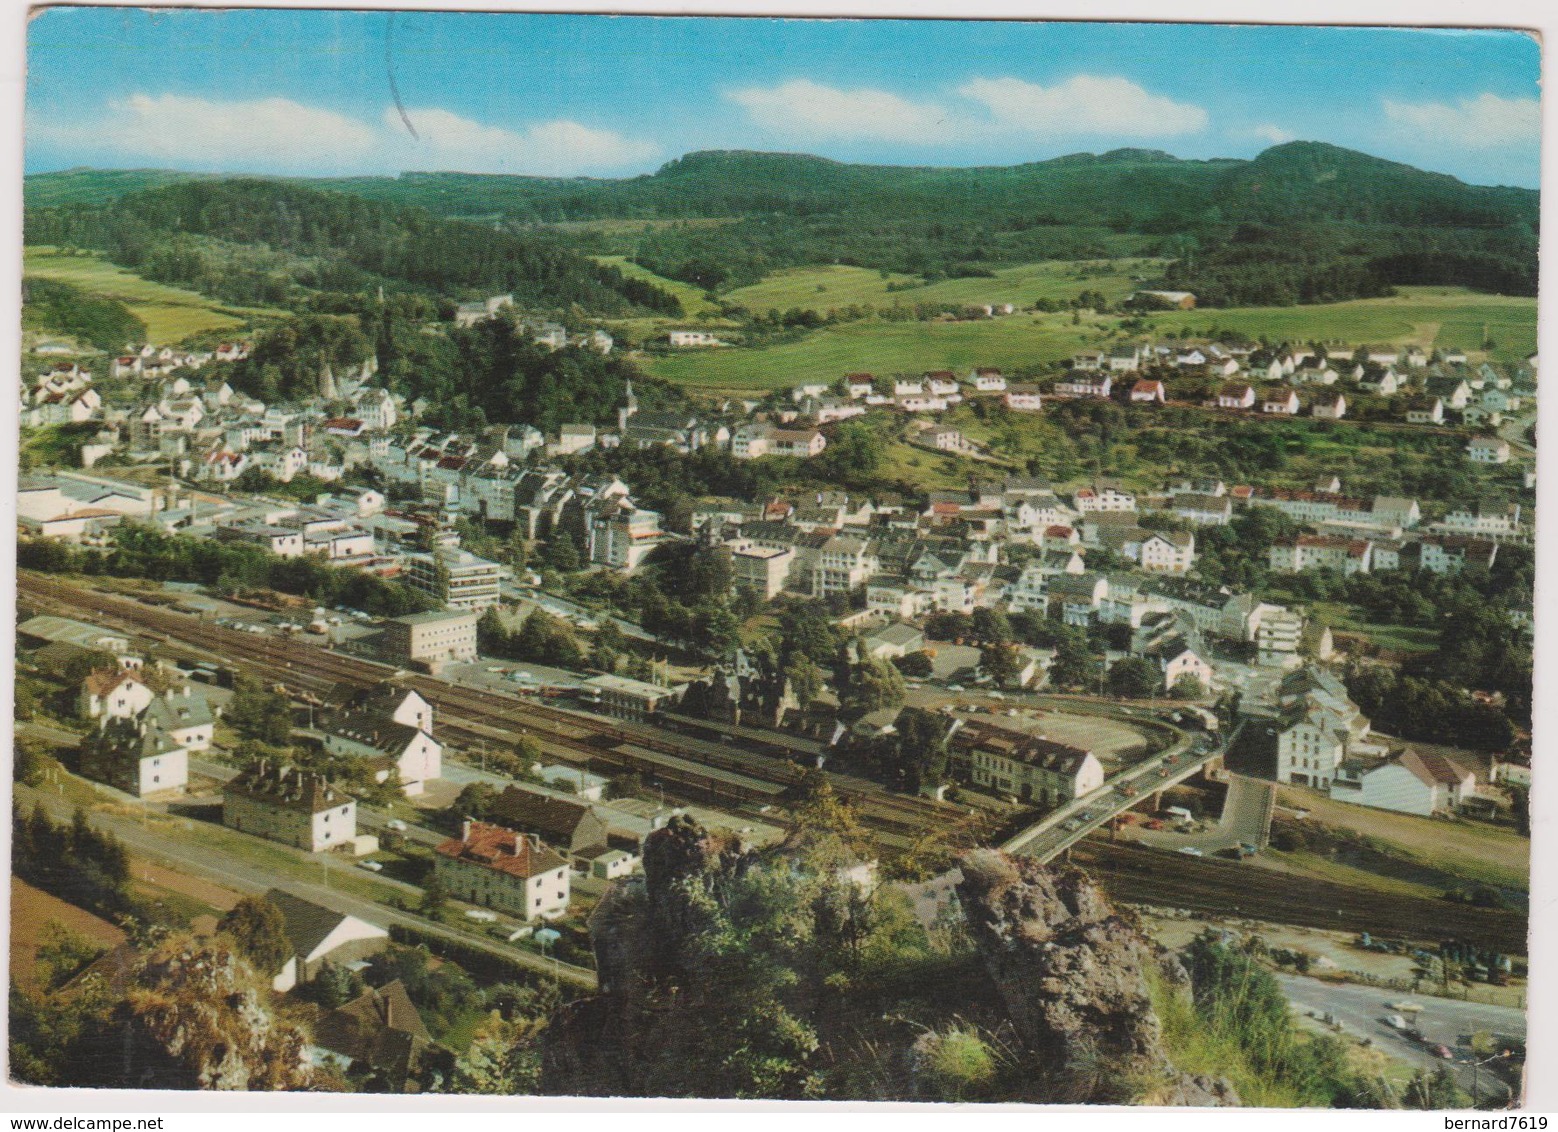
point(1060, 829)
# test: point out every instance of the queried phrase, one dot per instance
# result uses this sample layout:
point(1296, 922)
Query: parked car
point(371, 866)
point(1191, 851)
point(396, 824)
point(481, 915)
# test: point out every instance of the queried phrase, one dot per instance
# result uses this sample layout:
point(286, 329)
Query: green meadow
point(1427, 316)
point(821, 288)
point(692, 298)
point(878, 347)
point(171, 314)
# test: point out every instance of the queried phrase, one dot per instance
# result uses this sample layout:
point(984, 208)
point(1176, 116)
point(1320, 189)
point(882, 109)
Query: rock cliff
point(1062, 972)
point(1073, 975)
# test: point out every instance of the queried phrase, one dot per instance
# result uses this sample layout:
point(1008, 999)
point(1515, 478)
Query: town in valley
point(530, 636)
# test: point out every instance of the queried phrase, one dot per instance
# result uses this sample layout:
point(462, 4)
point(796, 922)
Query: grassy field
point(1466, 849)
point(1427, 316)
point(692, 298)
point(171, 314)
point(820, 288)
point(878, 347)
point(32, 910)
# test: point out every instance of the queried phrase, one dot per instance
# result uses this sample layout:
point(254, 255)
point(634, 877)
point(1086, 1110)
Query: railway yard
point(753, 770)
point(702, 769)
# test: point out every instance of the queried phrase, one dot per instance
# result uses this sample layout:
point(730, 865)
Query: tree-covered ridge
point(56, 307)
point(331, 240)
point(1300, 223)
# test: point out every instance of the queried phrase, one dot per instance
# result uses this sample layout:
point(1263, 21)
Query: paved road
point(1245, 819)
point(236, 873)
point(1058, 830)
point(1362, 1011)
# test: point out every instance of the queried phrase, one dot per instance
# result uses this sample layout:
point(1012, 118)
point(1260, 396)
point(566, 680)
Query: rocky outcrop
point(194, 1017)
point(1073, 975)
point(607, 1045)
point(1068, 977)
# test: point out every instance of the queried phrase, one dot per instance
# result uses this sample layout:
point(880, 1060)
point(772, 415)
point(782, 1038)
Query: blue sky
point(302, 92)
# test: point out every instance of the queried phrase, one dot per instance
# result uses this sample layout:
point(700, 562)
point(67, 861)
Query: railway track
point(727, 776)
point(1138, 875)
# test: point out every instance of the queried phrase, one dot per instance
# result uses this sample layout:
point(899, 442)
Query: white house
point(988, 381)
point(1409, 783)
point(498, 868)
point(1331, 407)
point(1084, 383)
point(1488, 450)
point(317, 935)
point(1425, 411)
point(683, 339)
point(1028, 767)
point(1022, 397)
point(1169, 552)
point(293, 806)
point(113, 692)
point(1236, 395)
point(1280, 401)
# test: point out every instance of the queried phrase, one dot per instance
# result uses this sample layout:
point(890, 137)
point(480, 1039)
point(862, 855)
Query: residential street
point(235, 873)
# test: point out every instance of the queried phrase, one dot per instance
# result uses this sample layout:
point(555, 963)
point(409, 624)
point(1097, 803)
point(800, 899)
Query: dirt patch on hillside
point(31, 911)
point(149, 878)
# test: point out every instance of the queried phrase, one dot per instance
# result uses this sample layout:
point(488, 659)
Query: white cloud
point(279, 135)
point(1484, 122)
point(1084, 104)
point(1276, 135)
point(558, 148)
point(181, 130)
point(807, 109)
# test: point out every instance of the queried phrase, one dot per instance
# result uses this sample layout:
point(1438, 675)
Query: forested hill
point(251, 240)
point(1301, 222)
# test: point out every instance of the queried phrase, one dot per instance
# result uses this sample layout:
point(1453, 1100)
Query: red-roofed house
point(114, 692)
point(345, 426)
point(498, 868)
point(1147, 390)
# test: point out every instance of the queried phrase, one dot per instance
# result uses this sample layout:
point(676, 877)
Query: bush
point(956, 1064)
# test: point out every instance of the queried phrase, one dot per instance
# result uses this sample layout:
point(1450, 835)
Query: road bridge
point(1060, 829)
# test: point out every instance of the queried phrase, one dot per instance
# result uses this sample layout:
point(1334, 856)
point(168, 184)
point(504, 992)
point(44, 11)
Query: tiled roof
point(502, 849)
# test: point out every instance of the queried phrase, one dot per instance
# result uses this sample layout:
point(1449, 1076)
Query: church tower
point(629, 407)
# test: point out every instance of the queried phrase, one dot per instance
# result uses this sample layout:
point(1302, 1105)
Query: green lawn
point(1467, 850)
point(878, 347)
point(819, 288)
point(1427, 316)
point(171, 314)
